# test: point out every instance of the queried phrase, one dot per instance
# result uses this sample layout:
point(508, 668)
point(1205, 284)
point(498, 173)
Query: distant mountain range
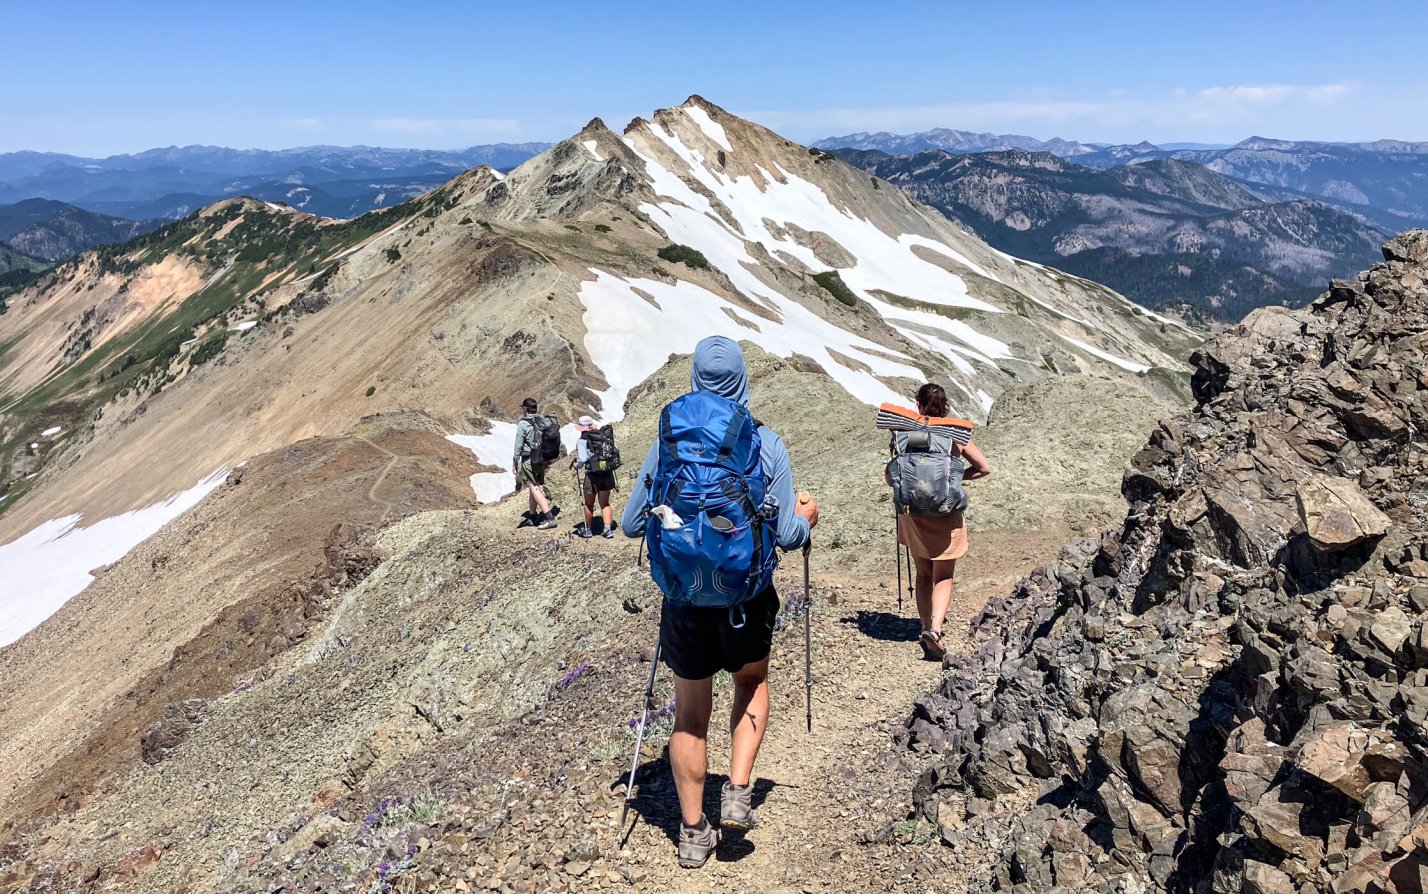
point(1163, 231)
point(964, 141)
point(331, 181)
point(1385, 181)
point(50, 231)
point(957, 141)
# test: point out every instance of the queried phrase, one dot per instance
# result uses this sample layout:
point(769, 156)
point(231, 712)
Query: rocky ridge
point(1229, 692)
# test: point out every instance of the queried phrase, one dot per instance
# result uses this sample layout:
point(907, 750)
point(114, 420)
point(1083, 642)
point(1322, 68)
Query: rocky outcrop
point(1229, 692)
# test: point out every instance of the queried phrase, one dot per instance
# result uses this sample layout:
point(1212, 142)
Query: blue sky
point(98, 78)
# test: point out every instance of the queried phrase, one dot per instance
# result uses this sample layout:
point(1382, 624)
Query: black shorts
point(700, 641)
point(597, 482)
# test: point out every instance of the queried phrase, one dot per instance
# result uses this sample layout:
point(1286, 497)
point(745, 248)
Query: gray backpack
point(926, 474)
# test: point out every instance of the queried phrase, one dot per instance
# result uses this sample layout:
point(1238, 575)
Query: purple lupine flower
point(574, 674)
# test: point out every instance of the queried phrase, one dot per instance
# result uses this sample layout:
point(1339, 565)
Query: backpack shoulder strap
point(731, 434)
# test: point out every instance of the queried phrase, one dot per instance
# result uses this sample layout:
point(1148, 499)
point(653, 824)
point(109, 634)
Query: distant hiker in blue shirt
point(719, 609)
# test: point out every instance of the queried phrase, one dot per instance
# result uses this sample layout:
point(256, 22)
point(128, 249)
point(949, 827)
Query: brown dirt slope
point(198, 608)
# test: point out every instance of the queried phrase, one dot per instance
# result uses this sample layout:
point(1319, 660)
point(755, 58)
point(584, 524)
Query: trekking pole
point(807, 636)
point(897, 557)
point(640, 733)
point(907, 551)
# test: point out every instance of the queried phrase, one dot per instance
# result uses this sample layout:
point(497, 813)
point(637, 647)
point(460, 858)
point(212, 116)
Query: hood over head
point(719, 367)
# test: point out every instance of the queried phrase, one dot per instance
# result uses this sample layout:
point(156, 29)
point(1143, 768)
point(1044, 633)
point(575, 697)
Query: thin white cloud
point(1216, 112)
point(433, 127)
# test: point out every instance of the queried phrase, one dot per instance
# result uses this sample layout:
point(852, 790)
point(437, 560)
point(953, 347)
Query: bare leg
point(748, 719)
point(941, 597)
point(689, 745)
point(924, 591)
point(605, 512)
point(542, 505)
point(589, 507)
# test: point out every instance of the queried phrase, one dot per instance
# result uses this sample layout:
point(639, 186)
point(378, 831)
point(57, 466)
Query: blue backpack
point(710, 473)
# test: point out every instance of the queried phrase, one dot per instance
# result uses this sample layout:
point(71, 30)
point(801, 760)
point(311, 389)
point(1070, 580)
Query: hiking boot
point(697, 843)
point(736, 807)
point(547, 522)
point(932, 648)
point(608, 533)
point(585, 532)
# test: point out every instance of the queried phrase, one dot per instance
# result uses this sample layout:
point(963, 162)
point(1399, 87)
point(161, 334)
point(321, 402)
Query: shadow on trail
point(657, 804)
point(885, 626)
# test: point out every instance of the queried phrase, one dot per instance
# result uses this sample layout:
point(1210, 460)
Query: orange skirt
point(938, 537)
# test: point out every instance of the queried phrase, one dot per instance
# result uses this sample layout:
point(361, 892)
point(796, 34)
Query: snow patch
point(1122, 362)
point(243, 326)
point(712, 129)
point(491, 449)
point(494, 449)
point(593, 148)
point(629, 339)
point(42, 570)
point(51, 431)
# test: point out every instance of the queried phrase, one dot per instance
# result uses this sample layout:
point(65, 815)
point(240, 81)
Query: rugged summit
point(1229, 693)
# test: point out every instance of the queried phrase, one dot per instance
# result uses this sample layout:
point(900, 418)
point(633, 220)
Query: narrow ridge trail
point(820, 797)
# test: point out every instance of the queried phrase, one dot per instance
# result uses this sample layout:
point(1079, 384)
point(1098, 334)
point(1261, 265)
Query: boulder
point(1337, 514)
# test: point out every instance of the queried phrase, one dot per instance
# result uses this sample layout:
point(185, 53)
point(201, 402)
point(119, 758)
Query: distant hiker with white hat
point(597, 457)
point(713, 500)
point(537, 446)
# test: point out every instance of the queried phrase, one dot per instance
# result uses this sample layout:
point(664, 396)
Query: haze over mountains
point(332, 181)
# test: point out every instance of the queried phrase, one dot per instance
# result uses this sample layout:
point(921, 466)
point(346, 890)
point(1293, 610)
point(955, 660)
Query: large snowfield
point(45, 568)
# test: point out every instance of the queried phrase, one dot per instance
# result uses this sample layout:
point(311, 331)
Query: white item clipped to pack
point(668, 518)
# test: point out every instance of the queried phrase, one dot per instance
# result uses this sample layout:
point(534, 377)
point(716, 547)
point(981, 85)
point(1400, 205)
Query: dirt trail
point(381, 477)
point(813, 792)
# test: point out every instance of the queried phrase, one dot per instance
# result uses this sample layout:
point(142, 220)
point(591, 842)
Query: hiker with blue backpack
point(928, 467)
point(714, 501)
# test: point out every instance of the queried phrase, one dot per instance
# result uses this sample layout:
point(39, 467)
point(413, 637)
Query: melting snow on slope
point(883, 262)
point(712, 129)
point(494, 449)
point(593, 148)
point(42, 570)
point(51, 431)
point(1122, 362)
point(243, 326)
point(629, 338)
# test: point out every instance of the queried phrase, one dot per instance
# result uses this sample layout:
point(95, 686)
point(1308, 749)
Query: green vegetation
point(465, 220)
point(601, 228)
point(207, 349)
point(393, 255)
point(258, 244)
point(833, 283)
point(371, 390)
point(660, 271)
point(951, 313)
point(683, 254)
point(875, 183)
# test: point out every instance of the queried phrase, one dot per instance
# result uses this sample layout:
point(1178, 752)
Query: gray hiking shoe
point(697, 844)
point(736, 807)
point(547, 522)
